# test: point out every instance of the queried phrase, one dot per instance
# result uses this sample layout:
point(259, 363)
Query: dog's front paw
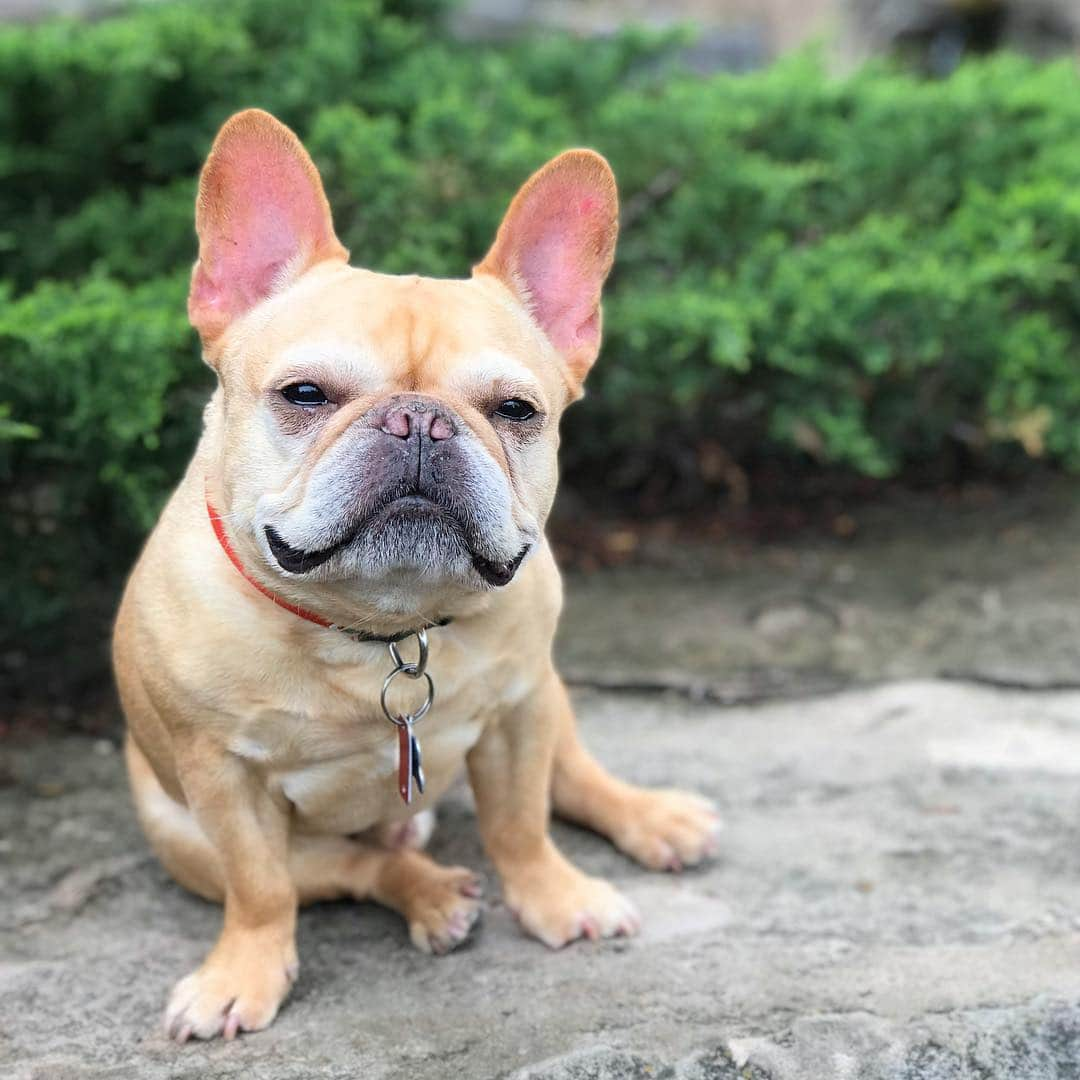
point(667, 830)
point(443, 909)
point(239, 987)
point(558, 904)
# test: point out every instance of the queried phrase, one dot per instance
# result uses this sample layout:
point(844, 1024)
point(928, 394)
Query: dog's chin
point(411, 538)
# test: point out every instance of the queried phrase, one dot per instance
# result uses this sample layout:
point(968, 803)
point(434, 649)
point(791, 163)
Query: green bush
point(862, 273)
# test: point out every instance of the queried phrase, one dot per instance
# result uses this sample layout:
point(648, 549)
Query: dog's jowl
point(376, 468)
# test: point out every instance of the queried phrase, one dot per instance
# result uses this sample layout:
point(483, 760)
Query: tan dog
point(382, 454)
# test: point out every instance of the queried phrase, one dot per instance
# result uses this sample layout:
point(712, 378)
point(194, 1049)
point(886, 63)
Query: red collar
point(357, 635)
point(223, 539)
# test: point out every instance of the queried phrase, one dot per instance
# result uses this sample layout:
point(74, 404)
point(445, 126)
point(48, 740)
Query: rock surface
point(898, 891)
point(898, 896)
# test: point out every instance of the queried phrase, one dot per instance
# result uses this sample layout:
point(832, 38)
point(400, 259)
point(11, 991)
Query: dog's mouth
point(296, 560)
point(498, 574)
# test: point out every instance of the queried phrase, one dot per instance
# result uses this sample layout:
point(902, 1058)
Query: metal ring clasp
point(414, 671)
point(418, 714)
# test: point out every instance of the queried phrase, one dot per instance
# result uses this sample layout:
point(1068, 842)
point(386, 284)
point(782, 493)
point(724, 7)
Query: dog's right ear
point(262, 219)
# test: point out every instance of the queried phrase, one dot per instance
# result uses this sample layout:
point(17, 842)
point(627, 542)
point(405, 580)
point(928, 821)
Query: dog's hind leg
point(440, 904)
point(174, 834)
point(662, 829)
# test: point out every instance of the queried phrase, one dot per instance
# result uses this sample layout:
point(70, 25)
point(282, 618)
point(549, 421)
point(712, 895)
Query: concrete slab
point(898, 896)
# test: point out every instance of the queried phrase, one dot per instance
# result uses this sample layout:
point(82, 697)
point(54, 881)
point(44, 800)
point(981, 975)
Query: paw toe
point(232, 1026)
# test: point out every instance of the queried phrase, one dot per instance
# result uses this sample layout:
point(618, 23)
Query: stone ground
point(891, 725)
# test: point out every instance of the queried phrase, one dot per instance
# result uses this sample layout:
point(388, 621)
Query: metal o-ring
point(419, 713)
point(413, 670)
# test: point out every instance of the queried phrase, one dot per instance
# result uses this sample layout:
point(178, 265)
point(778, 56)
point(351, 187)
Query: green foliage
point(863, 272)
point(99, 388)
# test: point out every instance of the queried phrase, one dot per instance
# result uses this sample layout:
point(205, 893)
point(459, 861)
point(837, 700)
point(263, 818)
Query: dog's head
point(391, 430)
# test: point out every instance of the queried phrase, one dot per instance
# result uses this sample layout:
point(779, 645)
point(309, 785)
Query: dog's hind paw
point(558, 904)
point(668, 829)
point(443, 911)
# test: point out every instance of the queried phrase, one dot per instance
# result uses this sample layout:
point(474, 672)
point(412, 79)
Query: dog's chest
point(354, 791)
point(326, 746)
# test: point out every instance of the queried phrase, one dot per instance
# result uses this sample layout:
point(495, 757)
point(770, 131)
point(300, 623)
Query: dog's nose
point(421, 417)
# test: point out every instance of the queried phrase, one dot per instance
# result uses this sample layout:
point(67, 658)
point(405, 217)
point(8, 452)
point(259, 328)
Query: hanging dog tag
point(417, 767)
point(410, 771)
point(405, 768)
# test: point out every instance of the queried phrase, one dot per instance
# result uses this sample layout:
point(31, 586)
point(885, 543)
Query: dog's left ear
point(555, 247)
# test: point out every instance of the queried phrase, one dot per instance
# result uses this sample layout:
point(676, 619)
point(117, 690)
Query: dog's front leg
point(510, 772)
point(247, 974)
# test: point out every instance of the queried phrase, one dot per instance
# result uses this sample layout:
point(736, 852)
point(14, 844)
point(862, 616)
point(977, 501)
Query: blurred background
point(819, 518)
point(835, 423)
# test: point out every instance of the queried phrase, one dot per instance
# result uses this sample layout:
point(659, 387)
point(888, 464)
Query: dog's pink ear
point(262, 219)
point(554, 249)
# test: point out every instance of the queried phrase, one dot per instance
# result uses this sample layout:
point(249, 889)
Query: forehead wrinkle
point(356, 360)
point(421, 338)
point(396, 333)
point(435, 334)
point(491, 366)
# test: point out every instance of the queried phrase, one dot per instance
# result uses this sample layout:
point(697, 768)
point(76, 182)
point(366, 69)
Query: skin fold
point(263, 770)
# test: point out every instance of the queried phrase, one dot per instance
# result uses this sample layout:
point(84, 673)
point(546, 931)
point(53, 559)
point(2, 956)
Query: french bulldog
point(376, 467)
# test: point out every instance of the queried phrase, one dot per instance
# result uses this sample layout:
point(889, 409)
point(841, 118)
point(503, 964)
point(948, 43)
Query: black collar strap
point(388, 639)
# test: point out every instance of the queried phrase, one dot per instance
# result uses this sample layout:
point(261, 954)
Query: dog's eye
point(515, 409)
point(304, 393)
